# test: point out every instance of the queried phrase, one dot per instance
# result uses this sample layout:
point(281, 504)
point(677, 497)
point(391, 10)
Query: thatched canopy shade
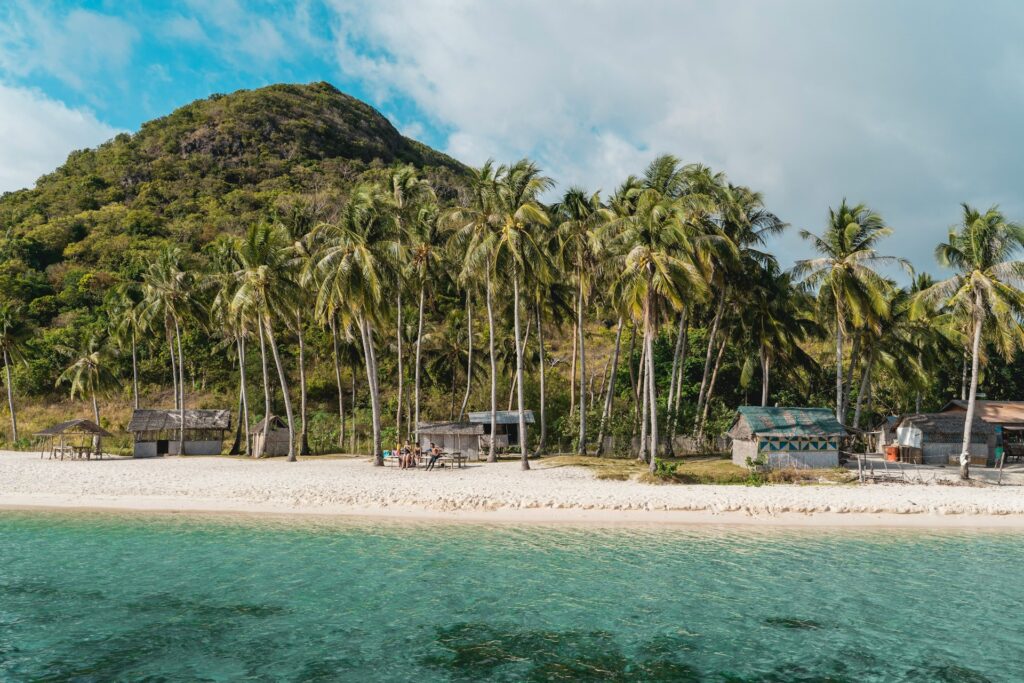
point(275, 423)
point(755, 421)
point(170, 420)
point(459, 428)
point(74, 427)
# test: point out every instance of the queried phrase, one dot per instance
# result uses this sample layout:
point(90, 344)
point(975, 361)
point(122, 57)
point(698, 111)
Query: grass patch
point(688, 470)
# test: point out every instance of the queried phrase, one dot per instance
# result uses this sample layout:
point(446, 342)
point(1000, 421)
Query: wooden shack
point(463, 437)
point(940, 436)
point(786, 437)
point(158, 432)
point(277, 437)
point(506, 432)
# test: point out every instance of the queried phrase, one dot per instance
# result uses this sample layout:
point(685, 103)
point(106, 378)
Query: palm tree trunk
point(542, 442)
point(840, 411)
point(236, 445)
point(964, 378)
point(401, 372)
point(765, 376)
point(174, 366)
point(629, 364)
point(515, 380)
point(965, 456)
point(675, 361)
point(865, 383)
point(855, 358)
point(572, 368)
point(581, 448)
point(610, 389)
point(371, 380)
point(135, 372)
point(181, 388)
point(711, 390)
point(352, 435)
point(416, 399)
point(266, 393)
point(680, 377)
point(245, 393)
point(643, 399)
point(10, 397)
point(709, 357)
point(524, 456)
point(337, 379)
point(304, 431)
point(652, 389)
point(492, 456)
point(96, 418)
point(469, 354)
point(283, 379)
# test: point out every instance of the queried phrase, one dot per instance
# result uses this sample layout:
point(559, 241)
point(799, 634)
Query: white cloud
point(904, 106)
point(37, 133)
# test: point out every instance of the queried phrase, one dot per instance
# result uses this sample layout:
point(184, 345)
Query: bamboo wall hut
point(787, 437)
point(277, 437)
point(463, 437)
point(507, 428)
point(157, 432)
point(940, 436)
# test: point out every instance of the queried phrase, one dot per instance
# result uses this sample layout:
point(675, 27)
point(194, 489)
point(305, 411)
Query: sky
point(911, 107)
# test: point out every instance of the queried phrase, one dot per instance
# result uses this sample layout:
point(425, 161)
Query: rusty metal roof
point(756, 420)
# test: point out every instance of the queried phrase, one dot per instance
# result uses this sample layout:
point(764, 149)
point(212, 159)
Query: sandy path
point(496, 492)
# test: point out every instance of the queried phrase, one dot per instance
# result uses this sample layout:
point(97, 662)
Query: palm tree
point(268, 291)
point(474, 225)
point(357, 265)
point(88, 374)
point(581, 221)
point(13, 334)
point(984, 291)
point(169, 294)
point(515, 250)
point(126, 313)
point(848, 285)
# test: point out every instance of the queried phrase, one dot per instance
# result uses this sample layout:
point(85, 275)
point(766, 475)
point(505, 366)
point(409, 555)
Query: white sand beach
point(496, 492)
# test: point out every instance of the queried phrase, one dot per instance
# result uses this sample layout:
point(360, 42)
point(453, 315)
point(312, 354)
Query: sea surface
point(97, 597)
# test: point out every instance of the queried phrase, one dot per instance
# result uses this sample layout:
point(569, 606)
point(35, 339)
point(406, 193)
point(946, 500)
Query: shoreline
point(482, 494)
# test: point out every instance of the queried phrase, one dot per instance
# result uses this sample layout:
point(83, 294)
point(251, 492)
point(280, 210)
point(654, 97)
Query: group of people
point(409, 455)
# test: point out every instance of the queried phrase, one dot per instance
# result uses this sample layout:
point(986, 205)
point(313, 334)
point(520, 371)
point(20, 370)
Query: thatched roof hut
point(158, 431)
point(277, 437)
point(74, 428)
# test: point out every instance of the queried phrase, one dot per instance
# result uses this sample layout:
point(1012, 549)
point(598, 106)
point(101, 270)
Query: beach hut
point(277, 437)
point(74, 438)
point(506, 430)
point(786, 437)
point(940, 436)
point(463, 437)
point(157, 432)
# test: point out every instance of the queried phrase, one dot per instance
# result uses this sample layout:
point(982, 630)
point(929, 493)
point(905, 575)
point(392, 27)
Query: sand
point(481, 492)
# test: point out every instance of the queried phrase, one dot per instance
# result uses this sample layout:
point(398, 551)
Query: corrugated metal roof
point(164, 420)
point(949, 425)
point(464, 428)
point(504, 417)
point(767, 421)
point(996, 412)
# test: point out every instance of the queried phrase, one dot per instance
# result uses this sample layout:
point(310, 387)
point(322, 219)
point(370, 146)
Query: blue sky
point(911, 107)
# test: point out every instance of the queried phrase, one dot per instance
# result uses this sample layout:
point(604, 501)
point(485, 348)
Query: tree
point(983, 292)
point(88, 374)
point(126, 313)
point(581, 221)
point(515, 252)
point(14, 331)
point(848, 286)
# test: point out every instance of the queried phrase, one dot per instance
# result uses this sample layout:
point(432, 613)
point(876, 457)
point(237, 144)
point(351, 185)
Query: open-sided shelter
point(71, 437)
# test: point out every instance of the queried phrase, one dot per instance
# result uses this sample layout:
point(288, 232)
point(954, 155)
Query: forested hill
point(210, 167)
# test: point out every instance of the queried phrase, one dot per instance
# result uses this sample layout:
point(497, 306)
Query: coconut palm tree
point(357, 266)
point(515, 252)
point(985, 291)
point(849, 288)
point(581, 220)
point(267, 290)
point(170, 295)
point(88, 374)
point(14, 331)
point(126, 312)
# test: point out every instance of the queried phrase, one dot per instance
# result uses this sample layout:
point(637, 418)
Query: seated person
point(435, 455)
point(408, 460)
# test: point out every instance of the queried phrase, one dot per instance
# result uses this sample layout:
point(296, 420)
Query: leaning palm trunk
point(181, 388)
point(337, 379)
point(524, 457)
point(965, 455)
point(245, 393)
point(515, 379)
point(709, 357)
point(572, 369)
point(304, 431)
point(711, 391)
point(643, 400)
point(542, 442)
point(416, 399)
point(401, 372)
point(680, 378)
point(174, 364)
point(652, 389)
point(840, 409)
point(469, 354)
point(236, 445)
point(135, 371)
point(266, 394)
point(610, 389)
point(284, 389)
point(492, 456)
point(96, 417)
point(10, 397)
point(675, 361)
point(582, 447)
point(366, 332)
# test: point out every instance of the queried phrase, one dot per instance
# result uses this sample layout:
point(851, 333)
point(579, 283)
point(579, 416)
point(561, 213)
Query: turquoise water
point(116, 598)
